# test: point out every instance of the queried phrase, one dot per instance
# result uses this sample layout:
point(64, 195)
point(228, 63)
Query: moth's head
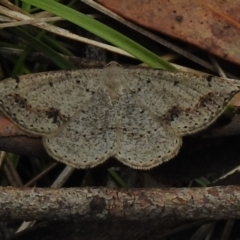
point(113, 79)
point(112, 76)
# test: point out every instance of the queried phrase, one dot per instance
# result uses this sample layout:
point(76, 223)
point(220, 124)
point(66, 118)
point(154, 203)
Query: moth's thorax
point(113, 83)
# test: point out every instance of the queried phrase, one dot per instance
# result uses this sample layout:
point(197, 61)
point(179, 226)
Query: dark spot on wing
point(206, 100)
point(176, 83)
point(22, 102)
point(209, 79)
point(172, 114)
point(68, 75)
point(17, 79)
point(54, 115)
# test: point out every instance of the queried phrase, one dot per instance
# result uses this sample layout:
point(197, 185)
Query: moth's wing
point(89, 138)
point(186, 102)
point(39, 103)
point(145, 141)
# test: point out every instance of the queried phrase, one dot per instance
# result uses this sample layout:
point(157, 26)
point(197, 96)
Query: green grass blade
point(102, 31)
point(117, 179)
point(41, 47)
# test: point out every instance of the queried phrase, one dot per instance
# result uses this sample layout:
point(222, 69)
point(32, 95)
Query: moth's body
point(136, 115)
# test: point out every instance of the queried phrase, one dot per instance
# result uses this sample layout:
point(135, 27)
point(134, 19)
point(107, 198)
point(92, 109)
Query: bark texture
point(132, 204)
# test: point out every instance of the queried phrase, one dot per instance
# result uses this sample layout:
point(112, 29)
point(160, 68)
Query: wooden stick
point(104, 203)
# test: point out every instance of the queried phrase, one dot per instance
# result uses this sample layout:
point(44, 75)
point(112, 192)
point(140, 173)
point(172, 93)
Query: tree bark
point(131, 204)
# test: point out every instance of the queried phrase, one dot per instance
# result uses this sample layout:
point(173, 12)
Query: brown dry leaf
point(236, 100)
point(8, 128)
point(211, 25)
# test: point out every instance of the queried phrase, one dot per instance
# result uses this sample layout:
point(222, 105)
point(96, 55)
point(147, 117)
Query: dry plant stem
point(2, 156)
point(204, 231)
point(9, 177)
point(103, 203)
point(11, 174)
point(31, 21)
point(41, 58)
point(150, 35)
point(182, 228)
point(217, 66)
point(40, 175)
point(228, 229)
point(63, 177)
point(12, 6)
point(60, 31)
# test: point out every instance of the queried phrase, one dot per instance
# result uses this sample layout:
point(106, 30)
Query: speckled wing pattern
point(40, 103)
point(136, 115)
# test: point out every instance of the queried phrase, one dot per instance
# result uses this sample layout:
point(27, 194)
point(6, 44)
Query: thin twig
point(61, 32)
point(103, 203)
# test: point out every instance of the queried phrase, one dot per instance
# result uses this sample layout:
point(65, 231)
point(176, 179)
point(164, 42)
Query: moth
point(136, 115)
